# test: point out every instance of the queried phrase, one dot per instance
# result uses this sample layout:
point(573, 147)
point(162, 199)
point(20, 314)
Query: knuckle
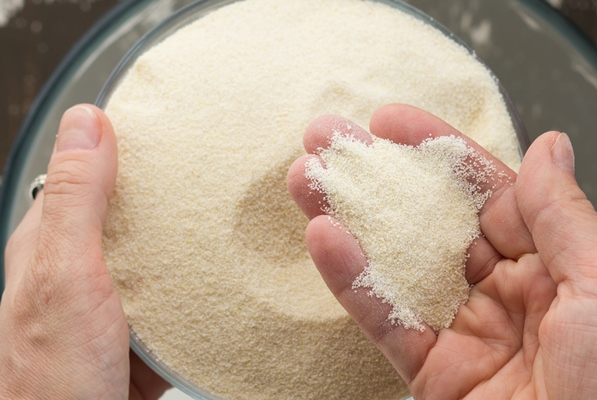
point(23, 308)
point(40, 288)
point(68, 179)
point(25, 302)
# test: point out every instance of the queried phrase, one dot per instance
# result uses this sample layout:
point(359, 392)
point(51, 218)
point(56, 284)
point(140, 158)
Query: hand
point(64, 333)
point(529, 328)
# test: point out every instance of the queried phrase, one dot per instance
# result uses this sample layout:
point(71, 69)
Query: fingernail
point(79, 130)
point(562, 153)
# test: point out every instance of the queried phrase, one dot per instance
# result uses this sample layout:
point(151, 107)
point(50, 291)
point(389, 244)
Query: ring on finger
point(37, 185)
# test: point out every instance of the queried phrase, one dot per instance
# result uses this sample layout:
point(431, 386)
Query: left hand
point(64, 332)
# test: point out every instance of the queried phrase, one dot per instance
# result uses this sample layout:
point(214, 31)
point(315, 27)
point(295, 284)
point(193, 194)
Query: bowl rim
point(21, 146)
point(570, 33)
point(185, 16)
point(195, 11)
point(23, 140)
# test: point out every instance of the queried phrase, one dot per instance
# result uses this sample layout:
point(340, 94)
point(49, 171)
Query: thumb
point(79, 183)
point(561, 219)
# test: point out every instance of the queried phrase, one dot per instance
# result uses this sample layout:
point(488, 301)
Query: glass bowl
point(187, 15)
point(548, 67)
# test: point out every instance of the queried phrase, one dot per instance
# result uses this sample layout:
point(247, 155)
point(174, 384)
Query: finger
point(317, 136)
point(319, 133)
point(339, 259)
point(312, 202)
point(23, 239)
point(81, 176)
point(500, 218)
point(563, 222)
point(481, 261)
point(80, 180)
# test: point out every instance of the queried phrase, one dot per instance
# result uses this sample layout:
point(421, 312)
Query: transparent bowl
point(185, 16)
point(547, 65)
point(200, 8)
point(541, 58)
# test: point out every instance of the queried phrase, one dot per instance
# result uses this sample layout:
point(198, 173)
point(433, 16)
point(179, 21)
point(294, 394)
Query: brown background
point(37, 38)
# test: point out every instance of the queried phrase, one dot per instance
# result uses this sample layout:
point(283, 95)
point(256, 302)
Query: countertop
point(37, 37)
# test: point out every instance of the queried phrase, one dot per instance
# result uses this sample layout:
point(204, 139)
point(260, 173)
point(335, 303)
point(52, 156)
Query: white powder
point(205, 246)
point(414, 212)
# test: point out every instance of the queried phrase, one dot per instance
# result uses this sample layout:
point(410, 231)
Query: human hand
point(64, 333)
point(529, 327)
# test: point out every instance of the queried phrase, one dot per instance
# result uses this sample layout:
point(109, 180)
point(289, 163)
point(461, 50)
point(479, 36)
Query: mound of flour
point(414, 211)
point(204, 244)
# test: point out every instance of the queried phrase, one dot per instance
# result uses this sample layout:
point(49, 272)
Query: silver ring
point(37, 185)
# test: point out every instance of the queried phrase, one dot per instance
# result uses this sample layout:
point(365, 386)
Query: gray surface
point(552, 87)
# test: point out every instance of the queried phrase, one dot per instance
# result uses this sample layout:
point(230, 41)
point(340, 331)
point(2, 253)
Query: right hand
point(529, 328)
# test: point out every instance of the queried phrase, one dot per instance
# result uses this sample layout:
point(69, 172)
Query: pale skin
point(64, 333)
point(528, 331)
point(529, 328)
